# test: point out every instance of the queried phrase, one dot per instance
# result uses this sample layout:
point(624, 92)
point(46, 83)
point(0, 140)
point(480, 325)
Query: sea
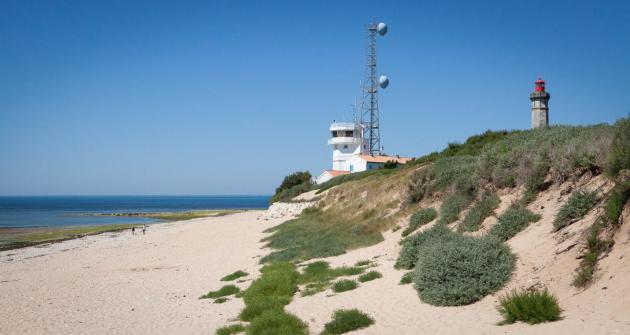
point(58, 211)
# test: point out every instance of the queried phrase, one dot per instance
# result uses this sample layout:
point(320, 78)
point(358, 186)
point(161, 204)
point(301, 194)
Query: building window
point(351, 168)
point(345, 147)
point(335, 147)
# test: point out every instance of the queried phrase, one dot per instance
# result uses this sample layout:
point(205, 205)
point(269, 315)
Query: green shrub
point(407, 278)
point(292, 185)
point(274, 289)
point(222, 292)
point(461, 270)
point(529, 306)
point(412, 244)
point(235, 275)
point(345, 320)
point(277, 322)
point(370, 276)
point(344, 285)
point(451, 207)
point(231, 330)
point(619, 157)
point(575, 208)
point(478, 213)
point(420, 218)
point(512, 222)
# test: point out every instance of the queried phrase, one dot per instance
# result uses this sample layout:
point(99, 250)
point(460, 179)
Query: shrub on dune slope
point(462, 270)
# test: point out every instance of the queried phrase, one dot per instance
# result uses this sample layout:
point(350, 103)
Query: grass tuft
point(451, 207)
point(412, 244)
point(222, 292)
point(370, 276)
point(274, 289)
point(574, 209)
point(364, 262)
point(407, 278)
point(231, 330)
point(220, 300)
point(512, 222)
point(418, 219)
point(346, 320)
point(235, 275)
point(529, 306)
point(478, 213)
point(277, 322)
point(344, 285)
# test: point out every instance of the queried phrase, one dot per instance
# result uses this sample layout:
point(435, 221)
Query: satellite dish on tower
point(381, 28)
point(383, 81)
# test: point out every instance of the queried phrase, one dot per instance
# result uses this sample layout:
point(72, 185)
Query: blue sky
point(227, 97)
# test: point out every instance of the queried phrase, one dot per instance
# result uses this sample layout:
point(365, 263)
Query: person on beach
point(144, 228)
point(133, 230)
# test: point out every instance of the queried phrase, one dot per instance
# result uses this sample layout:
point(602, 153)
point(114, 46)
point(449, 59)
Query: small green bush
point(411, 246)
point(345, 320)
point(277, 322)
point(370, 276)
point(478, 213)
point(292, 186)
point(231, 330)
point(451, 207)
point(594, 247)
point(461, 270)
point(575, 208)
point(420, 218)
point(222, 292)
point(407, 278)
point(235, 275)
point(512, 222)
point(344, 285)
point(529, 306)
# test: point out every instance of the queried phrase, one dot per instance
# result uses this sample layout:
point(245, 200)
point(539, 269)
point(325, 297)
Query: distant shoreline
point(16, 237)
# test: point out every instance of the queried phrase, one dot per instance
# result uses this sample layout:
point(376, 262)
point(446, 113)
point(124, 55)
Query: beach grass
point(222, 292)
point(407, 278)
point(231, 329)
point(235, 275)
point(344, 285)
point(346, 320)
point(529, 306)
point(370, 276)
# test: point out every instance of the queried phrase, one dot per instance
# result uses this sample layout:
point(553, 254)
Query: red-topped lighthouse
point(540, 105)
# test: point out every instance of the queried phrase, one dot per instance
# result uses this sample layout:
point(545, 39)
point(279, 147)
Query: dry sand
point(119, 284)
point(123, 284)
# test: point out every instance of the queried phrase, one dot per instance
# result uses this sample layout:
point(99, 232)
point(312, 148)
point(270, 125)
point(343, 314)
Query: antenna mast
point(369, 104)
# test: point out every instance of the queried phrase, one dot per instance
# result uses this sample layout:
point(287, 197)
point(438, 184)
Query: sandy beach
point(115, 283)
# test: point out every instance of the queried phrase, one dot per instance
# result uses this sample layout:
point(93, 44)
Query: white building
point(350, 152)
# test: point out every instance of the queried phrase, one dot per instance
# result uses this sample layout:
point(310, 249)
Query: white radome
point(383, 81)
point(381, 28)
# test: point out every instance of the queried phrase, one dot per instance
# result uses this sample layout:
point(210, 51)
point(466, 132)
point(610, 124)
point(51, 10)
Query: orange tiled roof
point(384, 159)
point(336, 173)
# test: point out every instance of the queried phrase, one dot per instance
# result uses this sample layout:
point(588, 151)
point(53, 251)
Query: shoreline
point(15, 237)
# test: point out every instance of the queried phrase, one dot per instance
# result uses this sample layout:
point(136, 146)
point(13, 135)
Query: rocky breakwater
point(285, 210)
